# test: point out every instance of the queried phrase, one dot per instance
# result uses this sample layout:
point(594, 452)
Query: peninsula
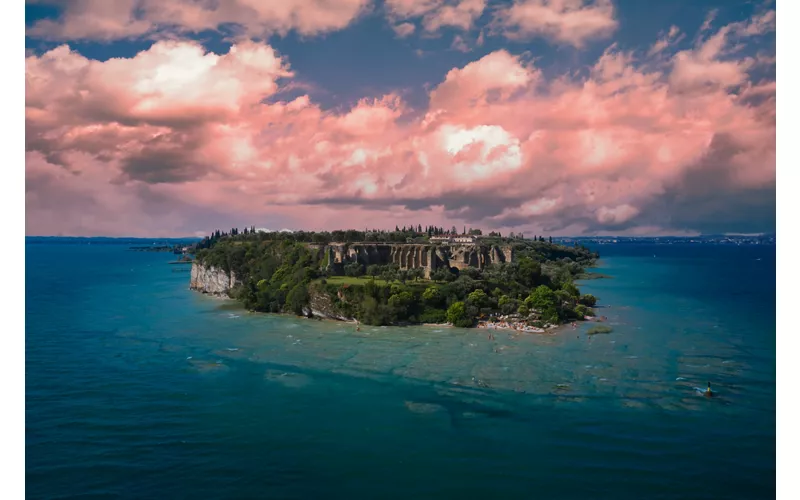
point(406, 276)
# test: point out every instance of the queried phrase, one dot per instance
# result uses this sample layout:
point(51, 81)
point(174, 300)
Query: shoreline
point(480, 325)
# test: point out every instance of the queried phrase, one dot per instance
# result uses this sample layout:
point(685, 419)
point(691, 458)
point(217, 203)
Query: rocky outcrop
point(320, 305)
point(211, 280)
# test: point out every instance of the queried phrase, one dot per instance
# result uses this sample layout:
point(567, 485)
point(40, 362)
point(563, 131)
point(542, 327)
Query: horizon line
point(699, 235)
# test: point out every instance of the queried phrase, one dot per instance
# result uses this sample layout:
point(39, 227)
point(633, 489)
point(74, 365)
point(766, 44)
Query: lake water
point(137, 387)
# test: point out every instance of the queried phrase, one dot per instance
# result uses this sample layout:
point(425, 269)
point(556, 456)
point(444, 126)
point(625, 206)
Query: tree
point(571, 289)
point(431, 295)
point(472, 272)
point(551, 239)
point(562, 277)
point(541, 298)
point(523, 310)
point(530, 272)
point(441, 274)
point(297, 298)
point(457, 315)
point(354, 269)
point(402, 275)
point(588, 300)
point(373, 270)
point(507, 304)
point(564, 303)
point(400, 302)
point(388, 274)
point(582, 311)
point(478, 297)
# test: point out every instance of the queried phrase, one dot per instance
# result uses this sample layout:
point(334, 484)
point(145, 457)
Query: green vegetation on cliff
point(281, 272)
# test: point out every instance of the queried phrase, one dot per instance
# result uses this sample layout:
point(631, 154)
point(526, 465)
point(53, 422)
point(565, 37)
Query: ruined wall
point(426, 256)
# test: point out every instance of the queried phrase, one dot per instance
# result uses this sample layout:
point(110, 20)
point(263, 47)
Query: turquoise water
point(138, 388)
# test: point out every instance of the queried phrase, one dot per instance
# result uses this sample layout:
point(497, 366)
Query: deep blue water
point(138, 388)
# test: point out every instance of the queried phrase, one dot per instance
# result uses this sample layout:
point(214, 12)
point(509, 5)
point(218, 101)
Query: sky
point(548, 117)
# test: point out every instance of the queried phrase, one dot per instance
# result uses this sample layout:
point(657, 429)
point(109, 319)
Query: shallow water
point(137, 387)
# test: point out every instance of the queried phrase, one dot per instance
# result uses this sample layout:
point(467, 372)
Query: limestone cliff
point(215, 281)
point(211, 280)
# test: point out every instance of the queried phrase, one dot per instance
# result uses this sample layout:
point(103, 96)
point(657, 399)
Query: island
point(412, 275)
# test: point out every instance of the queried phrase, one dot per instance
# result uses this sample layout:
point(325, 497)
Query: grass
point(599, 329)
point(351, 280)
point(363, 280)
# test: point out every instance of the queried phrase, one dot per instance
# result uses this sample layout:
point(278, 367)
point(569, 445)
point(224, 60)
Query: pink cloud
point(671, 37)
point(616, 215)
point(177, 138)
point(437, 14)
point(404, 29)
point(713, 62)
point(498, 72)
point(571, 22)
point(119, 19)
point(459, 44)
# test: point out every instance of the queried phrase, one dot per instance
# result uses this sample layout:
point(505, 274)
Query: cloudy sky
point(555, 117)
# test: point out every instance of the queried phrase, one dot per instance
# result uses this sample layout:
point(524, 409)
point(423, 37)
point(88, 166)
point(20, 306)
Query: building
point(463, 239)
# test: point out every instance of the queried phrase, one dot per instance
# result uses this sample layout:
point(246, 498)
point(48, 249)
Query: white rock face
point(211, 280)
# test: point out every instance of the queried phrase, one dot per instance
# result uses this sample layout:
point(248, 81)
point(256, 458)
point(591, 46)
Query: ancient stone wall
point(410, 256)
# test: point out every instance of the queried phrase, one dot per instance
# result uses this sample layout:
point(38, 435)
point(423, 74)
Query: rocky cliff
point(211, 280)
point(214, 281)
point(320, 305)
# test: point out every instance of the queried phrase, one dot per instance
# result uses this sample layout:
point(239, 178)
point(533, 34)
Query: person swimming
point(708, 392)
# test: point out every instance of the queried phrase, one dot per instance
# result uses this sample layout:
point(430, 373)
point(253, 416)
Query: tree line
point(404, 234)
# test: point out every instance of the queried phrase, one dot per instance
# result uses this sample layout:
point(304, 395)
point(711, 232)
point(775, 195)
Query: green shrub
point(599, 329)
point(430, 315)
point(457, 315)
